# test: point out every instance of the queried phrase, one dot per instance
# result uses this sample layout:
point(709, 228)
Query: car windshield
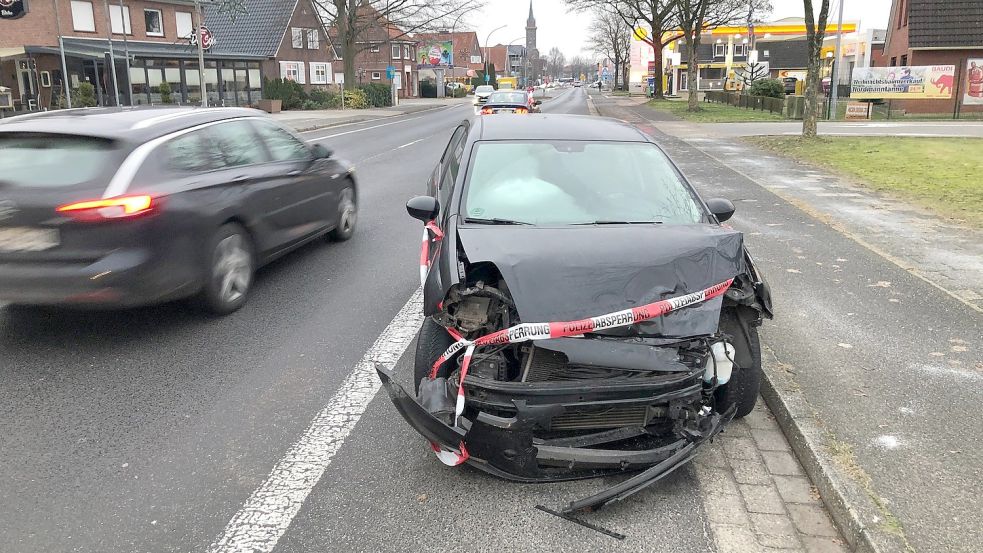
point(576, 183)
point(507, 98)
point(485, 88)
point(52, 161)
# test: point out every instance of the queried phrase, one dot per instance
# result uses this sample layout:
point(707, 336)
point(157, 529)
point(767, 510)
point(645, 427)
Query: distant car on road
point(482, 92)
point(109, 207)
point(510, 101)
point(577, 84)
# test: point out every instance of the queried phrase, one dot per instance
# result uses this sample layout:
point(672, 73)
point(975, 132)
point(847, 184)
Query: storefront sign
point(973, 87)
point(435, 54)
point(858, 110)
point(12, 9)
point(920, 82)
point(207, 38)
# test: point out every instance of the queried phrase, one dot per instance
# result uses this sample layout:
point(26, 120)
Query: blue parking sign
point(390, 72)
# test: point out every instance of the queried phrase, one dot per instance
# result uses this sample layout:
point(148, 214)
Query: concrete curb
point(852, 508)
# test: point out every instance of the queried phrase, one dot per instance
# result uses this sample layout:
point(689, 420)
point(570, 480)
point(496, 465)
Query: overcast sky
point(566, 30)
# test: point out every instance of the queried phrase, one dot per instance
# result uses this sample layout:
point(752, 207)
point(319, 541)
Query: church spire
point(531, 22)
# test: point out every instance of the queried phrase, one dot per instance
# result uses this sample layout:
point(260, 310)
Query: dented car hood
point(569, 273)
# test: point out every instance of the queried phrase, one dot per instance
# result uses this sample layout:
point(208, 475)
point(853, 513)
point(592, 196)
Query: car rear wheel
point(431, 342)
point(745, 380)
point(348, 214)
point(230, 271)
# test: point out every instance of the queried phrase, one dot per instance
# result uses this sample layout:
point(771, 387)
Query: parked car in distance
point(124, 207)
point(482, 92)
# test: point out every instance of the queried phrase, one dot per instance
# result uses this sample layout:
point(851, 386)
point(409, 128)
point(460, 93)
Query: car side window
point(192, 153)
point(238, 143)
point(281, 144)
point(450, 165)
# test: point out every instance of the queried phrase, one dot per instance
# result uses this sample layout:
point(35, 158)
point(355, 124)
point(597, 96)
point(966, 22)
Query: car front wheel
point(230, 270)
point(745, 380)
point(347, 215)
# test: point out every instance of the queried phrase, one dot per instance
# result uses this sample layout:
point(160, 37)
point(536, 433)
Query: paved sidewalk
point(688, 130)
point(309, 120)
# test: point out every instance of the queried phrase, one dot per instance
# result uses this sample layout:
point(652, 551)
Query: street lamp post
point(508, 54)
point(485, 53)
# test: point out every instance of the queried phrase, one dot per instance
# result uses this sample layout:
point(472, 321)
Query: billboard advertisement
point(973, 87)
point(439, 53)
point(921, 82)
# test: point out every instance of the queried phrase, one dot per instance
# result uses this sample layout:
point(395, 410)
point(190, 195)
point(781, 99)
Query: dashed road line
point(268, 512)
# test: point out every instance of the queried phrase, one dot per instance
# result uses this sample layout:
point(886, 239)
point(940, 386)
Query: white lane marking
point(379, 125)
point(380, 154)
point(408, 144)
point(267, 514)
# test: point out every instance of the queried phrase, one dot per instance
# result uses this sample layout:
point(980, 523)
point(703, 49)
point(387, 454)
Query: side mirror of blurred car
point(424, 208)
point(537, 102)
point(722, 208)
point(321, 152)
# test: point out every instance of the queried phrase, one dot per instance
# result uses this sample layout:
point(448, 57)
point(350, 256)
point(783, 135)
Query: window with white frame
point(82, 18)
point(119, 18)
point(719, 50)
point(185, 26)
point(374, 48)
point(396, 49)
point(767, 53)
point(292, 71)
point(296, 37)
point(313, 39)
point(320, 73)
point(154, 21)
point(740, 49)
point(406, 52)
point(376, 75)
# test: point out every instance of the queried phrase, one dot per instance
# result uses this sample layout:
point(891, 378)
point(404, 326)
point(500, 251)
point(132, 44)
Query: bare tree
point(610, 37)
point(657, 17)
point(579, 66)
point(815, 32)
point(555, 62)
point(694, 17)
point(358, 24)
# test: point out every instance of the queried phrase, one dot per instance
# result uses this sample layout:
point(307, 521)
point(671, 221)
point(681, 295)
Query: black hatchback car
point(586, 311)
point(110, 207)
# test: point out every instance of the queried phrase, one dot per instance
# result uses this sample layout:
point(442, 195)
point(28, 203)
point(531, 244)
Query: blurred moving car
point(482, 92)
point(109, 207)
point(510, 101)
point(577, 84)
point(575, 329)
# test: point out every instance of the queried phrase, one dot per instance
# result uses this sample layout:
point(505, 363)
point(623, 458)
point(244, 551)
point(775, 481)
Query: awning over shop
point(11, 52)
point(97, 49)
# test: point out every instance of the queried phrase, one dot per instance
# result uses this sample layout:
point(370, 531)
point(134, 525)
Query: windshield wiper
point(494, 221)
point(607, 222)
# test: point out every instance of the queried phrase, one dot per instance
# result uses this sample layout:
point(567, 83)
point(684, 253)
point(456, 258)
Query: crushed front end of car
point(635, 390)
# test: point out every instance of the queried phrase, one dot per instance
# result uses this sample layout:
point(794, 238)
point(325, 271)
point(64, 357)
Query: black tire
point(218, 296)
point(745, 380)
point(347, 216)
point(431, 341)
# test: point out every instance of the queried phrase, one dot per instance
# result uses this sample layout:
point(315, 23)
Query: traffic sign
point(487, 78)
point(390, 72)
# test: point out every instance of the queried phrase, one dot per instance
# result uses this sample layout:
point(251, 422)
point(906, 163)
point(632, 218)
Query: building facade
point(382, 45)
point(466, 60)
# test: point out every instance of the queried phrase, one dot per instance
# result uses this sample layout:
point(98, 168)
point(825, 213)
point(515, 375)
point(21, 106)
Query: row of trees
point(666, 21)
point(557, 64)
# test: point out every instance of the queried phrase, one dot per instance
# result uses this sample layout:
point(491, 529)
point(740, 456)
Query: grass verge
point(713, 112)
point(941, 174)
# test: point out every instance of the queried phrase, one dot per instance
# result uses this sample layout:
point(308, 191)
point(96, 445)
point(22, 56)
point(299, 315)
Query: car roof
point(555, 127)
point(137, 124)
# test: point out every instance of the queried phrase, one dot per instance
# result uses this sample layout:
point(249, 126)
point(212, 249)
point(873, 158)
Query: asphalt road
point(148, 429)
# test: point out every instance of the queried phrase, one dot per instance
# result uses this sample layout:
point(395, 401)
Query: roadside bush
point(772, 88)
point(355, 99)
point(165, 93)
point(290, 93)
point(428, 88)
point(84, 96)
point(378, 95)
point(323, 99)
point(459, 92)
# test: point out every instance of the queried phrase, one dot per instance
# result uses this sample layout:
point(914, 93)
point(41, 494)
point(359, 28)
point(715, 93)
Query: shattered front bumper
point(506, 446)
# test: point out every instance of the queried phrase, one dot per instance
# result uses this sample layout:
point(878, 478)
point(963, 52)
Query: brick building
point(936, 32)
point(153, 39)
point(466, 61)
point(381, 44)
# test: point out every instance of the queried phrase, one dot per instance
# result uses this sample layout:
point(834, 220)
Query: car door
point(446, 176)
point(311, 187)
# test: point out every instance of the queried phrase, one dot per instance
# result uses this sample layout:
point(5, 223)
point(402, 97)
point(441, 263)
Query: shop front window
point(211, 83)
point(138, 82)
point(229, 87)
point(192, 82)
point(172, 74)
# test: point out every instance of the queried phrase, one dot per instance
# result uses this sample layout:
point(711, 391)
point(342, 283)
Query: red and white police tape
point(438, 234)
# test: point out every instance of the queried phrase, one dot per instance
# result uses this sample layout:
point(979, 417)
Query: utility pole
point(201, 55)
point(126, 51)
point(112, 55)
point(833, 92)
point(64, 66)
point(487, 38)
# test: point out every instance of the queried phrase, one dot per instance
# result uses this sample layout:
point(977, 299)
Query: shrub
point(772, 88)
point(84, 96)
point(378, 95)
point(459, 92)
point(321, 97)
point(355, 99)
point(291, 94)
point(165, 93)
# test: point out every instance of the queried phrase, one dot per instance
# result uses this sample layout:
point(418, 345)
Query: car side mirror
point(721, 208)
point(537, 102)
point(321, 152)
point(424, 208)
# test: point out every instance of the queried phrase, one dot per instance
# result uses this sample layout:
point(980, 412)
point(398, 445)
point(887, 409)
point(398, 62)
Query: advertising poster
point(435, 54)
point(922, 82)
point(973, 87)
point(12, 9)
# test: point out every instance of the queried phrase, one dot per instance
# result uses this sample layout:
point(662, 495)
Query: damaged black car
point(587, 313)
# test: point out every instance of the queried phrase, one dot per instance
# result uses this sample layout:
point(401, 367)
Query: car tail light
point(521, 110)
point(109, 208)
point(487, 111)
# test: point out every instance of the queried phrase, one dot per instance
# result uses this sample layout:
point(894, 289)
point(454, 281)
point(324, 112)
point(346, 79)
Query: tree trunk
point(617, 64)
point(692, 68)
point(659, 93)
point(811, 112)
point(350, 52)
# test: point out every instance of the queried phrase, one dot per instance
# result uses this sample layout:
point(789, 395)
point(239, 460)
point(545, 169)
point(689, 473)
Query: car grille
point(615, 417)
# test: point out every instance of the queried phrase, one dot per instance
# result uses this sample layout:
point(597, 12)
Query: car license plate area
point(27, 239)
